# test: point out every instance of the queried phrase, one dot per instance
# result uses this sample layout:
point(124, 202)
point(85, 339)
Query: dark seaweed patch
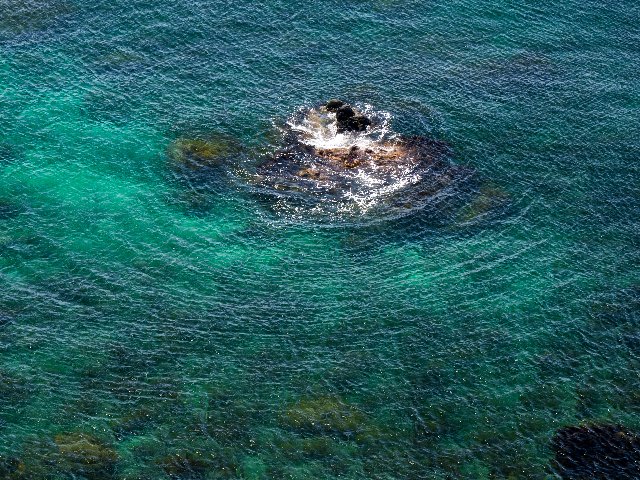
point(597, 452)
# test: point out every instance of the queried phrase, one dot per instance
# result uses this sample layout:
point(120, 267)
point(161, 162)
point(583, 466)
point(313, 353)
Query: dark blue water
point(158, 324)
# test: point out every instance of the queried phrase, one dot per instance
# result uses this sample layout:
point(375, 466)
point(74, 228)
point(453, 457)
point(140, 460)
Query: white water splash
point(318, 128)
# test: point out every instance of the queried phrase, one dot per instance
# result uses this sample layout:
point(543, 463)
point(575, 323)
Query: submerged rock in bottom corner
point(85, 455)
point(197, 464)
point(11, 468)
point(597, 452)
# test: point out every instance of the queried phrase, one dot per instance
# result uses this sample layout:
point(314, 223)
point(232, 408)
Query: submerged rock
point(185, 465)
point(82, 454)
point(14, 391)
point(19, 16)
point(9, 210)
point(11, 468)
point(597, 452)
point(198, 153)
point(324, 415)
point(197, 464)
point(7, 153)
point(488, 199)
point(5, 320)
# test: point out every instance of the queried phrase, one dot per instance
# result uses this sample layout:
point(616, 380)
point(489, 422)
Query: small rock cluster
point(348, 119)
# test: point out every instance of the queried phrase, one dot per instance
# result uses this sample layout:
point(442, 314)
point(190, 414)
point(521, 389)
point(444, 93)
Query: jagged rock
point(344, 112)
point(333, 105)
point(371, 171)
point(357, 123)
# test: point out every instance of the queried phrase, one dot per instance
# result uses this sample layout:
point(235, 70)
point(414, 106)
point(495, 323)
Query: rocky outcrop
point(347, 119)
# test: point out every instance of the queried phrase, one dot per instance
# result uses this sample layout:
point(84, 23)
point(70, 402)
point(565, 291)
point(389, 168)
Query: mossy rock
point(325, 415)
point(199, 153)
point(85, 455)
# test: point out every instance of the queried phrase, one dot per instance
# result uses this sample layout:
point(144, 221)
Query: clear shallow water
point(167, 332)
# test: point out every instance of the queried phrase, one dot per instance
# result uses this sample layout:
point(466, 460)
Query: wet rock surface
point(337, 159)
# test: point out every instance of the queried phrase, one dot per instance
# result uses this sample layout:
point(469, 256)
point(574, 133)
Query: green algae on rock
point(200, 153)
point(328, 414)
point(84, 455)
point(67, 455)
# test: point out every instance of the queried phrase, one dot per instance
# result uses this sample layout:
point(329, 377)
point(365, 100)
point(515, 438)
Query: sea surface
point(157, 325)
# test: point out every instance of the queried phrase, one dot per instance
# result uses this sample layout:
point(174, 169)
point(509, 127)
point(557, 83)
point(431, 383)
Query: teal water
point(151, 329)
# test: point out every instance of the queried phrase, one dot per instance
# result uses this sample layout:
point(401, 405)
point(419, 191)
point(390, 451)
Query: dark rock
point(597, 452)
point(10, 467)
point(333, 104)
point(357, 123)
point(344, 112)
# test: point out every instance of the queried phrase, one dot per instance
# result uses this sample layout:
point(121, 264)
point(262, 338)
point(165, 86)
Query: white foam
point(370, 185)
point(318, 129)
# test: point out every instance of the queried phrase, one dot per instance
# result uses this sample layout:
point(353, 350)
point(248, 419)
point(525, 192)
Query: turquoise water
point(156, 326)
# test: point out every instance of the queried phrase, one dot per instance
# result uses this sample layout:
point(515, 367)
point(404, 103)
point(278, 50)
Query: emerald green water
point(199, 333)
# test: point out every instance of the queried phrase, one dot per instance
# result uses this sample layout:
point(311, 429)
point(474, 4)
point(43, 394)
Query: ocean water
point(158, 325)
